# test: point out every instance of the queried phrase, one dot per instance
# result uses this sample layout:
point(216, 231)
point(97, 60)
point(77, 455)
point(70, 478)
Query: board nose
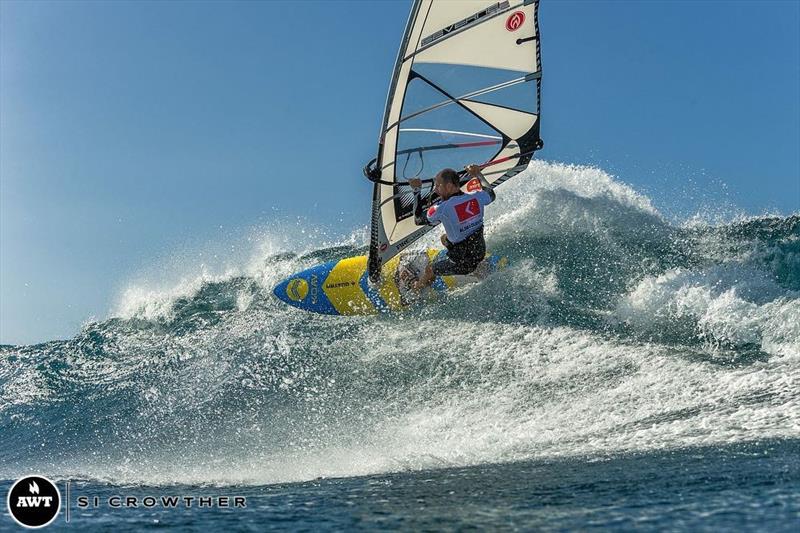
point(280, 291)
point(292, 291)
point(306, 290)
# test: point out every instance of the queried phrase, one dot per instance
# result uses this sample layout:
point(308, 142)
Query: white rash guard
point(461, 215)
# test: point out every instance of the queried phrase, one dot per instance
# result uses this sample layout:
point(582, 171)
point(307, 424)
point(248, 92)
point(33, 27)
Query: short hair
point(448, 174)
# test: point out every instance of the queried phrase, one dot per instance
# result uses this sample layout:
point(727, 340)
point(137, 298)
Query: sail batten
point(454, 48)
point(473, 94)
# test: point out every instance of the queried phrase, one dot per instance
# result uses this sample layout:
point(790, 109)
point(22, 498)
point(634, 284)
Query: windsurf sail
point(466, 89)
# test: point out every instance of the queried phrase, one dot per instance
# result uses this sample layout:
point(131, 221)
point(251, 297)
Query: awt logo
point(34, 501)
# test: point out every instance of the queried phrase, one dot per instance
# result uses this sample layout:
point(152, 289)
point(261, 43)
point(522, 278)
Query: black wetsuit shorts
point(462, 257)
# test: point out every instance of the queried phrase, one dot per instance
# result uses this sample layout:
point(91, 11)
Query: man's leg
point(443, 266)
point(425, 279)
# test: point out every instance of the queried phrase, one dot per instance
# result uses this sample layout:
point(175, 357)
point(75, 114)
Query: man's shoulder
point(456, 198)
point(450, 201)
point(483, 193)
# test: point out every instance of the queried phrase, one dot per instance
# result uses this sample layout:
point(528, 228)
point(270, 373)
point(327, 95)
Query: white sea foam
point(727, 304)
point(505, 393)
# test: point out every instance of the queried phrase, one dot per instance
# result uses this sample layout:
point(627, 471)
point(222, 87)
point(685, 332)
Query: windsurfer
point(461, 214)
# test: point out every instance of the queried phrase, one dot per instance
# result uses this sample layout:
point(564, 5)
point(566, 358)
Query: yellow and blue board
point(342, 287)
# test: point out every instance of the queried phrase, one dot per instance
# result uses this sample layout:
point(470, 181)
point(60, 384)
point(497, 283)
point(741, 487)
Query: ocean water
point(626, 371)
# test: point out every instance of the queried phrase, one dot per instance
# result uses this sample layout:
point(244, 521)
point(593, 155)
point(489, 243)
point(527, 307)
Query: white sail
point(466, 89)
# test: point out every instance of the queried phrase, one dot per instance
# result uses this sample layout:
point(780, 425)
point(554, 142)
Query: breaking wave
point(613, 330)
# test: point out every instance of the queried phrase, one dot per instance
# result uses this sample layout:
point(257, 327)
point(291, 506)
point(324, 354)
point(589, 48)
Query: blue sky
point(132, 130)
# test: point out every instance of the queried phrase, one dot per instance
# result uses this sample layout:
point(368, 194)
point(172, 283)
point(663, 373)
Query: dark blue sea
point(629, 370)
point(752, 486)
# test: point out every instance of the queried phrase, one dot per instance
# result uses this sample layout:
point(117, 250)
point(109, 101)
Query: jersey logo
point(431, 211)
point(474, 185)
point(467, 210)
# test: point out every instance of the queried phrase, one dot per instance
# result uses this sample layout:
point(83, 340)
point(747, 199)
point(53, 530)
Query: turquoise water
point(625, 371)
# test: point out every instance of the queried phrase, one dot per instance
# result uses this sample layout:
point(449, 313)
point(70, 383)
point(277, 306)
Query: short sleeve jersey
point(461, 214)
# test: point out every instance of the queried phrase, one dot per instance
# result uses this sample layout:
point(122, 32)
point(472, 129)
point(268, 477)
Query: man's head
point(446, 183)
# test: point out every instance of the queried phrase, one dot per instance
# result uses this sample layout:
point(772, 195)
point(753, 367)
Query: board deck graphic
point(342, 287)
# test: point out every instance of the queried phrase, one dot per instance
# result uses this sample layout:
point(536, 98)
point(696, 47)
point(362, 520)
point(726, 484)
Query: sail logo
point(467, 210)
point(34, 501)
point(515, 21)
point(464, 23)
